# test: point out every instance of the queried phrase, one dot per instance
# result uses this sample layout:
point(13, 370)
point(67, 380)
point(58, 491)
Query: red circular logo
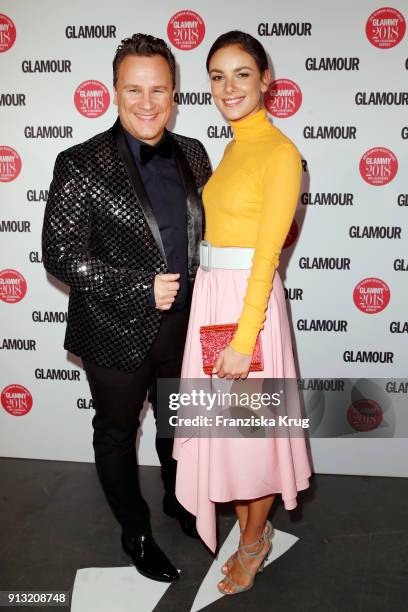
point(371, 295)
point(385, 28)
point(92, 99)
point(13, 286)
point(16, 399)
point(364, 415)
point(7, 33)
point(292, 235)
point(10, 164)
point(186, 30)
point(378, 166)
point(283, 98)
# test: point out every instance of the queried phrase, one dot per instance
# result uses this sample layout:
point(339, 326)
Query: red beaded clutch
point(214, 338)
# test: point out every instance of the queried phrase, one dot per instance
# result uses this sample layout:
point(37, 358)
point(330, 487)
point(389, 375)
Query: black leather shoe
point(149, 559)
point(173, 508)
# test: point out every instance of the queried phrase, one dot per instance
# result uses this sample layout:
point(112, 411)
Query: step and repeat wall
point(339, 91)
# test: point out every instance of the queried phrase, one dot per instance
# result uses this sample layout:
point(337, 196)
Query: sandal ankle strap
point(252, 553)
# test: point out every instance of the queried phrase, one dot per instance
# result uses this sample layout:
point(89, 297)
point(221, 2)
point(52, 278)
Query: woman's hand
point(231, 364)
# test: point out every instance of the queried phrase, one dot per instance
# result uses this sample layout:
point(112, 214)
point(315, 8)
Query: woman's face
point(236, 83)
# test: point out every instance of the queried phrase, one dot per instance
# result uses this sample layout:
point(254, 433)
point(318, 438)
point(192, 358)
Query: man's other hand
point(165, 290)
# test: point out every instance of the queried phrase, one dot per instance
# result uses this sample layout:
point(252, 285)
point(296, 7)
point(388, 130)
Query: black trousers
point(118, 398)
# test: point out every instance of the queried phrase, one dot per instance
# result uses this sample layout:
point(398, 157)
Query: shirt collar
point(134, 143)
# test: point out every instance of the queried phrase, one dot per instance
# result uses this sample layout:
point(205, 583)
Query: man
point(122, 228)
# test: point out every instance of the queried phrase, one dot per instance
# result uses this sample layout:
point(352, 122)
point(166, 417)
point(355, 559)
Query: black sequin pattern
point(96, 240)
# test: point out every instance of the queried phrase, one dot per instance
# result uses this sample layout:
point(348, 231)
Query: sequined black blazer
point(101, 238)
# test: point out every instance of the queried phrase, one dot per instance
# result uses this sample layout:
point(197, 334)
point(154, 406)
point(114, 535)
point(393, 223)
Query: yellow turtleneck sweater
point(250, 201)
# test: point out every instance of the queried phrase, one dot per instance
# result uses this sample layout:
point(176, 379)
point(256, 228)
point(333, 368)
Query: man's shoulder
point(189, 145)
point(87, 150)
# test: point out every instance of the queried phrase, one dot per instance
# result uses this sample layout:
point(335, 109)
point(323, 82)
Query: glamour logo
point(7, 33)
point(332, 63)
point(50, 65)
point(91, 99)
point(390, 232)
point(12, 99)
point(399, 327)
point(381, 98)
point(323, 198)
point(378, 166)
point(324, 263)
point(90, 31)
point(15, 226)
point(322, 325)
point(392, 386)
point(18, 344)
point(368, 356)
point(293, 28)
point(283, 98)
point(321, 384)
point(385, 27)
point(10, 164)
point(364, 415)
point(48, 131)
point(53, 374)
point(84, 403)
point(371, 295)
point(34, 195)
point(330, 132)
point(401, 265)
point(186, 30)
point(35, 257)
point(220, 131)
point(402, 199)
point(292, 235)
point(192, 98)
point(293, 293)
point(16, 399)
point(49, 316)
point(13, 286)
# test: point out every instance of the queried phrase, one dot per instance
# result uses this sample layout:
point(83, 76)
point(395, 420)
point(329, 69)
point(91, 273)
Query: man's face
point(144, 96)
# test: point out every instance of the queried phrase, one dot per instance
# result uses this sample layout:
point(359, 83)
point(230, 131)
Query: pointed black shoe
point(173, 508)
point(148, 558)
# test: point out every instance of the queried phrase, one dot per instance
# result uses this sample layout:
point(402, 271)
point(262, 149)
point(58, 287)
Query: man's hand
point(232, 365)
point(165, 290)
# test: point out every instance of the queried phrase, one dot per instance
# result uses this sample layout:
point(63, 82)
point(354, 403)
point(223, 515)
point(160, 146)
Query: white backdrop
point(58, 425)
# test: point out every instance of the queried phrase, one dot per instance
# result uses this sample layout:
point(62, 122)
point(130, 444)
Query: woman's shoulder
point(279, 138)
point(280, 144)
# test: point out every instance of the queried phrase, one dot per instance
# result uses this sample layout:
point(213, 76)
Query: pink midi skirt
point(211, 470)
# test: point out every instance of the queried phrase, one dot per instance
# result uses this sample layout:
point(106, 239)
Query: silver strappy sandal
point(268, 531)
point(251, 554)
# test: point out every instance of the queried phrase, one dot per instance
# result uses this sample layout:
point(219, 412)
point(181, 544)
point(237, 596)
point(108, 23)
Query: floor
point(352, 553)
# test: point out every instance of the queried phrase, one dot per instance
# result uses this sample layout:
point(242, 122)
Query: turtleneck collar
point(252, 127)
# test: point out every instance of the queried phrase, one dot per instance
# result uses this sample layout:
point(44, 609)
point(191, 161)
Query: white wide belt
point(230, 258)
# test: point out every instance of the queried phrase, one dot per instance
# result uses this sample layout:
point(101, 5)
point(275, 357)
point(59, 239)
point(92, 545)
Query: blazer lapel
point(137, 184)
point(194, 208)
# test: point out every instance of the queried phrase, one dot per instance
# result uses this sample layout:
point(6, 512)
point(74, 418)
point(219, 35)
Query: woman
point(249, 201)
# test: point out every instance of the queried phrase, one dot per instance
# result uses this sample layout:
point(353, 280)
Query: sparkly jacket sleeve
point(65, 243)
point(280, 180)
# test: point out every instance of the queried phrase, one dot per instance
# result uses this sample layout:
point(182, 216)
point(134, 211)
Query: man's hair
point(145, 46)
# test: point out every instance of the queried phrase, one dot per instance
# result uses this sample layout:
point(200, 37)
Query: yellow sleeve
point(281, 187)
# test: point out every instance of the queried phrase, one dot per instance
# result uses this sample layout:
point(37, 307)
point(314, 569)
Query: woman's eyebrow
point(235, 69)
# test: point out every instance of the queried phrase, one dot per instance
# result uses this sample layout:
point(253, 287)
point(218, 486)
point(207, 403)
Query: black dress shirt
point(167, 197)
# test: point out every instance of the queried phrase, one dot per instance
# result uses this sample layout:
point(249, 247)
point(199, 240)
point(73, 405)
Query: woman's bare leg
point(241, 508)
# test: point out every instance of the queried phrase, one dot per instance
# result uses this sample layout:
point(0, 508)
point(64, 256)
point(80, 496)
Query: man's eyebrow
point(153, 86)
